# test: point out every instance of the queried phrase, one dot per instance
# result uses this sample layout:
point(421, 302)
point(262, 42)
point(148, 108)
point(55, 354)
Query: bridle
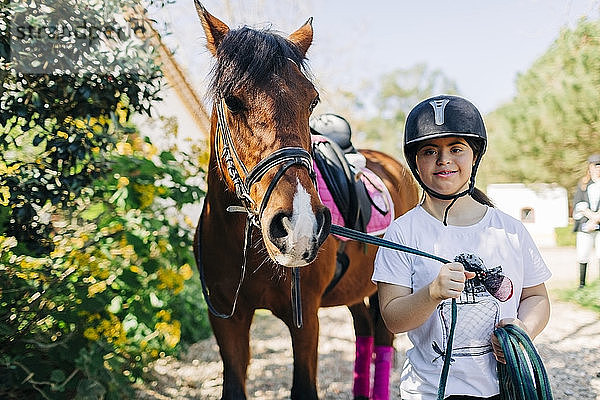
point(229, 158)
point(228, 161)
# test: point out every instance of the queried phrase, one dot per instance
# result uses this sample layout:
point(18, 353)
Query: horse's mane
point(247, 57)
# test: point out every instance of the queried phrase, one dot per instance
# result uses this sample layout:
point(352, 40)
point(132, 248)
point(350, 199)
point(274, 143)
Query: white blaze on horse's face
point(301, 229)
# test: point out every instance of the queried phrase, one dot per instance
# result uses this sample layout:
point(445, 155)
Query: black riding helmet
point(334, 127)
point(442, 116)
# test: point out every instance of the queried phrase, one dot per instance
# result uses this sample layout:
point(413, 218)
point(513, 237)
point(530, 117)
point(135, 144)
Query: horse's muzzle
point(298, 239)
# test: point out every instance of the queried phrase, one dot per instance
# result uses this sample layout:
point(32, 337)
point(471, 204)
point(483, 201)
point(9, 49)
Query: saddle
point(347, 191)
point(357, 198)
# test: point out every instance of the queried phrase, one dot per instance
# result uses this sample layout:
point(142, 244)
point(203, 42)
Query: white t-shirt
point(499, 241)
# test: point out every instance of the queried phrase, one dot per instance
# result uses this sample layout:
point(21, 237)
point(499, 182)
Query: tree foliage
point(551, 126)
point(397, 93)
point(65, 67)
point(95, 256)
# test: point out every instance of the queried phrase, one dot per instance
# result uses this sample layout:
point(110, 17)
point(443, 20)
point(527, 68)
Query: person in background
point(444, 141)
point(586, 214)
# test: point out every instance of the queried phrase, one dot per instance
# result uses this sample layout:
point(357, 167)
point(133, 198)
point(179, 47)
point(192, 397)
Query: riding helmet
point(441, 116)
point(334, 127)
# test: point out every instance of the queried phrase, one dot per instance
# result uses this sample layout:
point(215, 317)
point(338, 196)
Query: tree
point(397, 92)
point(547, 131)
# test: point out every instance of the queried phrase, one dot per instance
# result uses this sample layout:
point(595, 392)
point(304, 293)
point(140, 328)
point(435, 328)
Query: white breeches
point(585, 246)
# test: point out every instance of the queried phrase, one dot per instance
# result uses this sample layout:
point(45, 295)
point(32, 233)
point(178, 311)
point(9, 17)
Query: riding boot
point(384, 357)
point(582, 271)
point(362, 367)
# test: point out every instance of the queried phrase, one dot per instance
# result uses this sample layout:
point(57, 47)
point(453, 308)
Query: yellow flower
point(124, 149)
point(4, 170)
point(80, 124)
point(31, 263)
point(135, 269)
point(7, 242)
point(150, 150)
point(128, 252)
point(4, 195)
point(171, 332)
point(186, 271)
point(91, 334)
point(97, 287)
point(58, 252)
point(170, 280)
point(146, 194)
point(122, 182)
point(62, 134)
point(122, 114)
point(164, 315)
point(136, 142)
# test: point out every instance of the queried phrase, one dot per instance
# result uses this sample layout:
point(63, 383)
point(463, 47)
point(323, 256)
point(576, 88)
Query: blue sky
point(481, 44)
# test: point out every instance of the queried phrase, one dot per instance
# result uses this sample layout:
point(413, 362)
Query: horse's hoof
point(361, 398)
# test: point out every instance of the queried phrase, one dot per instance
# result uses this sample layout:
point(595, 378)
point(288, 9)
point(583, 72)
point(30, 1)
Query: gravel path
point(569, 346)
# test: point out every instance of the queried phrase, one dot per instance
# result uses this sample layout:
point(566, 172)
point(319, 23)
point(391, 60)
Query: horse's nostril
point(323, 224)
point(279, 226)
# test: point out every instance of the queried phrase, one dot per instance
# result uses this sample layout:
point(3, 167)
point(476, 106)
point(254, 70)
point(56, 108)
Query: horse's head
point(260, 134)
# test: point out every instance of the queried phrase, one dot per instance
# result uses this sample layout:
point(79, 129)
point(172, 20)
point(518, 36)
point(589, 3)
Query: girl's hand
point(450, 282)
point(498, 353)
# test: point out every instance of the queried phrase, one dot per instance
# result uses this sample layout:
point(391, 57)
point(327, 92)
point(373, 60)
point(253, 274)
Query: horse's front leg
point(233, 338)
point(304, 345)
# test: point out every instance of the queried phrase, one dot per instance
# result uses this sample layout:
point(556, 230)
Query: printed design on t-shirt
point(477, 311)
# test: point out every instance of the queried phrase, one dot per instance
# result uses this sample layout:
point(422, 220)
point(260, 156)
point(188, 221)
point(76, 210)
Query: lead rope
point(514, 377)
point(523, 376)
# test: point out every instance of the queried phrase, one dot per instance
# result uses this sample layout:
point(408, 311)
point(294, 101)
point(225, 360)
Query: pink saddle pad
point(379, 194)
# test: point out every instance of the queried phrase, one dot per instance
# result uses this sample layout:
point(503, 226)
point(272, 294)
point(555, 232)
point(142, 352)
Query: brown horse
point(261, 181)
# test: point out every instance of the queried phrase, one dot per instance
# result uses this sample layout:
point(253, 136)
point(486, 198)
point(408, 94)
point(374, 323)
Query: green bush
point(95, 258)
point(565, 237)
point(587, 297)
point(116, 292)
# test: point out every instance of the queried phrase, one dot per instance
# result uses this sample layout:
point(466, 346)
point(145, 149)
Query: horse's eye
point(234, 104)
point(314, 103)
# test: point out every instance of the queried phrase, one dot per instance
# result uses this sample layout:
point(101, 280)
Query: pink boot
point(384, 357)
point(362, 366)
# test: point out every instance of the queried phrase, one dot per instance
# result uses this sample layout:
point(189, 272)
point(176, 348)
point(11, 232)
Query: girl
point(444, 141)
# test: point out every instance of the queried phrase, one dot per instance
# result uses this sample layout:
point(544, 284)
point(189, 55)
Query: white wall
point(549, 203)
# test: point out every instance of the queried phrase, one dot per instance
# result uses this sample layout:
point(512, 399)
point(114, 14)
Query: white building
point(541, 207)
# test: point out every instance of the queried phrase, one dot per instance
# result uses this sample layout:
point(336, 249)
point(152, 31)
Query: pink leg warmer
point(384, 357)
point(362, 366)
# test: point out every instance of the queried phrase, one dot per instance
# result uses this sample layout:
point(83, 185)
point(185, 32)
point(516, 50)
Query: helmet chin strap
point(452, 197)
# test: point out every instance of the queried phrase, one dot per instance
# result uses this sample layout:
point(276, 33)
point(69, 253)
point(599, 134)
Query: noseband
point(227, 160)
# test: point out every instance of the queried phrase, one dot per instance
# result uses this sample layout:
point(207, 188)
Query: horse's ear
point(214, 29)
point(303, 36)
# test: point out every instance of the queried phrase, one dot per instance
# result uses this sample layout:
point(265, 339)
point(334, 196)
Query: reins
point(377, 241)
